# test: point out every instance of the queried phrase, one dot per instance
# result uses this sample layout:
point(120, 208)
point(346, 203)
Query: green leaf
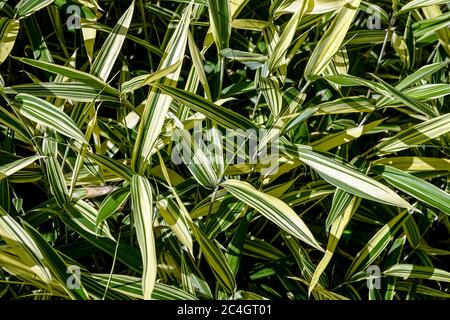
point(333, 140)
point(427, 92)
point(415, 187)
point(12, 167)
point(420, 74)
point(418, 4)
point(141, 81)
point(114, 166)
point(347, 178)
point(273, 209)
point(336, 231)
point(197, 60)
point(331, 41)
point(421, 289)
point(74, 91)
point(251, 60)
point(193, 156)
point(157, 104)
point(125, 253)
point(40, 48)
point(57, 182)
point(176, 221)
point(71, 73)
point(410, 271)
point(218, 114)
point(84, 215)
point(138, 40)
point(9, 29)
point(225, 216)
point(12, 233)
point(393, 256)
point(106, 57)
point(407, 100)
point(345, 105)
point(220, 20)
point(57, 266)
point(131, 286)
point(15, 125)
point(236, 245)
point(383, 89)
point(27, 7)
point(112, 203)
point(341, 201)
point(416, 135)
point(270, 88)
point(415, 163)
point(215, 259)
point(377, 244)
point(278, 55)
point(142, 207)
point(44, 113)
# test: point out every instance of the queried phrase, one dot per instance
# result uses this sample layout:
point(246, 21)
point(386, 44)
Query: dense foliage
point(335, 184)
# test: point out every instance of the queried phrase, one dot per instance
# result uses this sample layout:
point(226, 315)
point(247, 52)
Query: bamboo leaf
point(158, 103)
point(346, 177)
point(377, 244)
point(273, 209)
point(84, 215)
point(345, 105)
point(57, 266)
point(71, 73)
point(27, 7)
point(220, 20)
point(251, 60)
point(332, 40)
point(416, 135)
point(112, 203)
point(74, 91)
point(415, 163)
point(131, 287)
point(415, 187)
point(418, 4)
point(195, 159)
point(277, 56)
point(12, 233)
point(141, 81)
point(410, 271)
point(340, 138)
point(336, 231)
point(104, 62)
point(215, 258)
point(11, 168)
point(176, 221)
point(44, 113)
point(142, 206)
point(9, 29)
point(219, 114)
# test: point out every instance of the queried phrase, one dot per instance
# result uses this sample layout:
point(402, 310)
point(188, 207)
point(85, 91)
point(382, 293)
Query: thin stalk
point(144, 22)
point(380, 58)
point(221, 75)
point(113, 265)
point(252, 116)
point(213, 198)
